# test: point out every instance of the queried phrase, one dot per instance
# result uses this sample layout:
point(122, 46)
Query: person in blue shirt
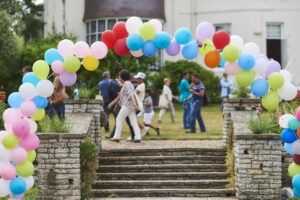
point(107, 86)
point(184, 90)
point(225, 85)
point(198, 91)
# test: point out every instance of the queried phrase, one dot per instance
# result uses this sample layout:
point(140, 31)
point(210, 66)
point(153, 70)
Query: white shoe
point(144, 131)
point(129, 139)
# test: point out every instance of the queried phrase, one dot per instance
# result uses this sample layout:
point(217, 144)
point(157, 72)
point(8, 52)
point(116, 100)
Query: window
point(225, 27)
point(274, 31)
point(276, 45)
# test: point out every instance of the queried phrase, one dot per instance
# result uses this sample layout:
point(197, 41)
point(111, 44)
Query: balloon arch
point(19, 142)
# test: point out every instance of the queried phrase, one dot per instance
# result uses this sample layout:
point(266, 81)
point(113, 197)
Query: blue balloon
point(246, 61)
point(134, 42)
point(52, 55)
point(289, 136)
point(296, 182)
point(183, 36)
point(40, 102)
point(296, 192)
point(293, 123)
point(288, 148)
point(17, 186)
point(190, 50)
point(15, 100)
point(162, 40)
point(149, 49)
point(223, 61)
point(260, 87)
point(30, 78)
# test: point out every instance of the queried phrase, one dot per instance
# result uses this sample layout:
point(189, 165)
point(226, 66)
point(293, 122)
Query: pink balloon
point(137, 54)
point(67, 78)
point(232, 68)
point(10, 115)
point(204, 31)
point(99, 50)
point(21, 128)
point(57, 66)
point(8, 172)
point(157, 25)
point(66, 48)
point(8, 127)
point(81, 49)
point(18, 155)
point(28, 108)
point(30, 142)
point(297, 113)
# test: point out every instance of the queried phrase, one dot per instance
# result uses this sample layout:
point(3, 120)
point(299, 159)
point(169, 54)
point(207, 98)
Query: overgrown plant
point(88, 166)
point(263, 126)
point(3, 106)
point(230, 157)
point(54, 125)
point(242, 92)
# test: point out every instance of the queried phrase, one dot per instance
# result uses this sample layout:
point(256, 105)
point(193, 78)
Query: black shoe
point(115, 140)
point(190, 131)
point(108, 137)
point(147, 134)
point(158, 131)
point(137, 141)
point(203, 131)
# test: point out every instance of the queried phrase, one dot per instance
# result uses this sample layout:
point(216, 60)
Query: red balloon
point(221, 39)
point(296, 159)
point(121, 48)
point(120, 30)
point(109, 38)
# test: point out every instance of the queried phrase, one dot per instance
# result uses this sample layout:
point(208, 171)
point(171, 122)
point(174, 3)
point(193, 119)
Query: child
point(148, 111)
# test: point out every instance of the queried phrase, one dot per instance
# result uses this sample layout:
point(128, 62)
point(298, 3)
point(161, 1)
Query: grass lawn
point(211, 114)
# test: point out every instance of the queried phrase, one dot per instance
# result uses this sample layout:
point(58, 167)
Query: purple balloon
point(67, 78)
point(263, 56)
point(274, 66)
point(173, 49)
point(204, 31)
point(13, 196)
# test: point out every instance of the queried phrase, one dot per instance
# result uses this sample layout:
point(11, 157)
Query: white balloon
point(284, 119)
point(4, 153)
point(33, 125)
point(251, 48)
point(287, 75)
point(27, 91)
point(261, 65)
point(133, 25)
point(157, 25)
point(29, 182)
point(4, 188)
point(3, 164)
point(296, 147)
point(288, 91)
point(237, 41)
point(45, 88)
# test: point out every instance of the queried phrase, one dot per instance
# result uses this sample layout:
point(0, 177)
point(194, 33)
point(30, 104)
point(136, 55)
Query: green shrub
point(262, 126)
point(3, 106)
point(53, 126)
point(88, 166)
point(242, 92)
point(86, 93)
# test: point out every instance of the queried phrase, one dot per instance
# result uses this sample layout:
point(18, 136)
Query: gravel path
point(160, 144)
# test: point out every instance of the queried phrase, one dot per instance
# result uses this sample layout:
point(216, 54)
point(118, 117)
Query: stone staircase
point(188, 172)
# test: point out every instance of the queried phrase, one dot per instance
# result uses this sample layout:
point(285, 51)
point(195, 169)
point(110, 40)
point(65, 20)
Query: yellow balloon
point(71, 64)
point(10, 141)
point(31, 155)
point(147, 31)
point(41, 69)
point(90, 63)
point(271, 100)
point(293, 169)
point(207, 46)
point(39, 115)
point(25, 169)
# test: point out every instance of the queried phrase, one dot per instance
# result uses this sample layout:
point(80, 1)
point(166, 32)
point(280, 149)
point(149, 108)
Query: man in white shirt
point(225, 85)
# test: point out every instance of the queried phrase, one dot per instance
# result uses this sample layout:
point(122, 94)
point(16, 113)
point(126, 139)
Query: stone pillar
point(243, 109)
point(88, 106)
point(58, 159)
point(287, 159)
point(258, 166)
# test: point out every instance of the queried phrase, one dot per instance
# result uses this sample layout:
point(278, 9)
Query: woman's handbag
point(206, 99)
point(163, 103)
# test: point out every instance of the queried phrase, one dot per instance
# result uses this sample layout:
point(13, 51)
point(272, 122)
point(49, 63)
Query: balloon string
point(50, 75)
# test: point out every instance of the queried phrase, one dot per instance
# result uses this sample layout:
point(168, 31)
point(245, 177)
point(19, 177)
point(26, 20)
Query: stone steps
point(164, 176)
point(160, 184)
point(151, 160)
point(113, 193)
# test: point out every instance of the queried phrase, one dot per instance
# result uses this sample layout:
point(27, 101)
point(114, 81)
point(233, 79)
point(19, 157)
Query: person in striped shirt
point(197, 93)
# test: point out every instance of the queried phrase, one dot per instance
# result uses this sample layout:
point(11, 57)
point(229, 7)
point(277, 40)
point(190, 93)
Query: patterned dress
point(126, 94)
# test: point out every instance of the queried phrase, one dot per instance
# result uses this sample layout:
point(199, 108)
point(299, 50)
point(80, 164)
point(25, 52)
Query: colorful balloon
point(284, 119)
point(245, 78)
point(134, 42)
point(137, 54)
point(288, 148)
point(21, 128)
point(99, 50)
point(67, 78)
point(10, 141)
point(147, 31)
point(18, 155)
point(133, 25)
point(260, 87)
point(261, 65)
point(149, 49)
point(288, 136)
point(294, 169)
point(81, 49)
point(231, 53)
point(52, 55)
point(31, 155)
point(17, 186)
point(287, 75)
point(41, 69)
point(221, 39)
point(31, 78)
point(174, 48)
point(71, 64)
point(30, 142)
point(183, 36)
point(66, 48)
point(296, 147)
point(190, 50)
point(39, 114)
point(232, 68)
point(276, 80)
point(4, 188)
point(288, 91)
point(271, 100)
point(157, 24)
point(8, 172)
point(120, 30)
point(246, 61)
point(10, 115)
point(293, 124)
point(207, 46)
point(40, 102)
point(212, 59)
point(251, 48)
point(204, 30)
point(274, 66)
point(57, 66)
point(109, 38)
point(162, 40)
point(45, 88)
point(237, 41)
point(90, 63)
point(121, 48)
point(27, 91)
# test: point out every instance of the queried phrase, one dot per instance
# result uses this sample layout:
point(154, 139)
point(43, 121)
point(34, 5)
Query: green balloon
point(276, 80)
point(25, 169)
point(245, 78)
point(231, 53)
point(31, 155)
point(294, 169)
point(71, 64)
point(293, 123)
point(271, 100)
point(10, 141)
point(147, 31)
point(41, 69)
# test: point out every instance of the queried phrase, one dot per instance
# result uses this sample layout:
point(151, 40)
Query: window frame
point(223, 25)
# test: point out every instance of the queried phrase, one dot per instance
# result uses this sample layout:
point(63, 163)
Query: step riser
point(122, 170)
point(160, 186)
point(161, 177)
point(157, 162)
point(192, 153)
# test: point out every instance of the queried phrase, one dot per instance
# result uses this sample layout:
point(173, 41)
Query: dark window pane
point(122, 20)
point(145, 20)
point(87, 27)
point(93, 38)
point(93, 26)
point(99, 36)
point(110, 23)
point(88, 39)
point(101, 25)
point(274, 49)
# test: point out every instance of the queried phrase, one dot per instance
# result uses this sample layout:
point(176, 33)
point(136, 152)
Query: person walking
point(184, 90)
point(198, 91)
point(168, 97)
point(225, 85)
point(129, 107)
point(109, 91)
point(57, 100)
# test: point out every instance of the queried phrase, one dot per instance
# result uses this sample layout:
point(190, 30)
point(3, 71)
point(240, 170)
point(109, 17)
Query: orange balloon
point(298, 132)
point(212, 59)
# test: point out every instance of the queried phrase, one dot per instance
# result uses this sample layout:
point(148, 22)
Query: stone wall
point(88, 106)
point(287, 159)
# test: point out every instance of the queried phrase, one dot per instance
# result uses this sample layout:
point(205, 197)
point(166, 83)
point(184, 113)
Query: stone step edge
point(160, 181)
point(212, 166)
point(161, 157)
point(164, 190)
point(161, 150)
point(166, 173)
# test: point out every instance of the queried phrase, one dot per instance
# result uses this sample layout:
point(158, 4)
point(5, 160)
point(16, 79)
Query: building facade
point(272, 24)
